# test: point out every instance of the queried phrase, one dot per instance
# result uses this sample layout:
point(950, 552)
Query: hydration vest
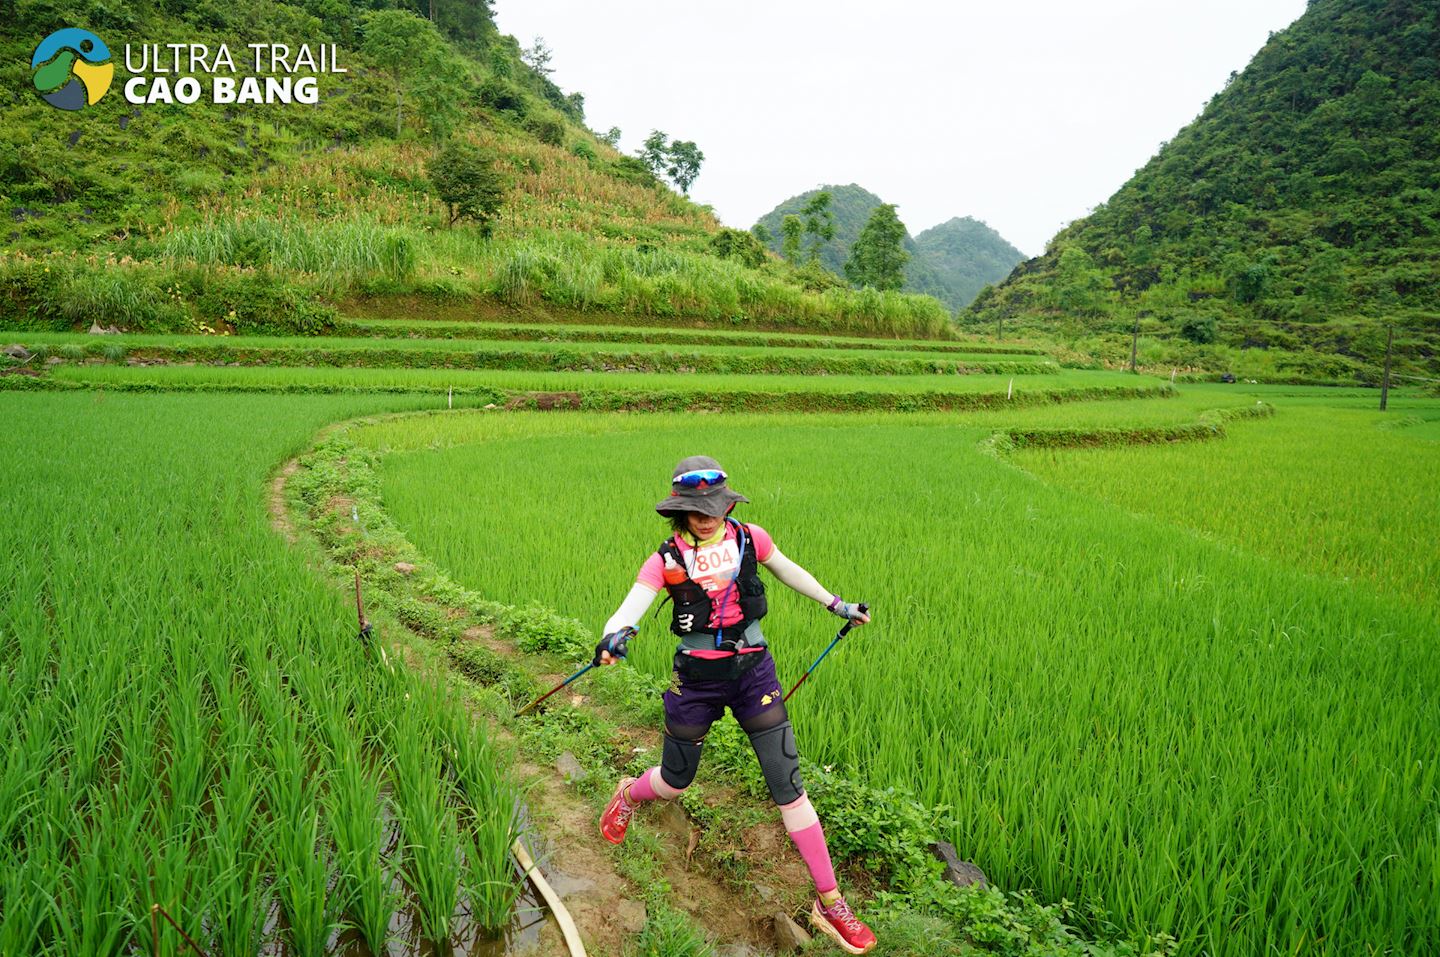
point(691, 606)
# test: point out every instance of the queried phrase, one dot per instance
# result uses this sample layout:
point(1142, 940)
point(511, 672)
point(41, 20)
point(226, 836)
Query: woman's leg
point(689, 712)
point(774, 742)
point(762, 716)
point(679, 760)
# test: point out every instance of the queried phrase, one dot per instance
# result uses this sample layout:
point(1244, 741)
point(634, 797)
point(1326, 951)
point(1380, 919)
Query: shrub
point(547, 129)
point(465, 179)
point(259, 303)
point(583, 150)
point(632, 169)
point(499, 94)
point(1199, 329)
point(738, 245)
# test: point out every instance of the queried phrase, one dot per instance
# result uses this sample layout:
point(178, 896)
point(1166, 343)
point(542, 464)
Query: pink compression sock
point(804, 829)
point(651, 787)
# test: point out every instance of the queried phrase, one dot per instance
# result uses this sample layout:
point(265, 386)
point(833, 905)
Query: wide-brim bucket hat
point(690, 492)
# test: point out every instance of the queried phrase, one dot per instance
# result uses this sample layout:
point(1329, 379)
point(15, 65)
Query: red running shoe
point(839, 923)
point(617, 814)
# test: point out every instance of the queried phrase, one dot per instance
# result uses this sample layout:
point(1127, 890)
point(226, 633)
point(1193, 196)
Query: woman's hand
point(852, 611)
point(613, 647)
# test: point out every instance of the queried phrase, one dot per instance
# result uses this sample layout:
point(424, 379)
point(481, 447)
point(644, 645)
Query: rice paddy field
point(1226, 733)
point(1181, 686)
point(189, 718)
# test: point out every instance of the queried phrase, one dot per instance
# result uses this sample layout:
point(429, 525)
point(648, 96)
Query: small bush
point(499, 94)
point(583, 150)
point(535, 628)
point(546, 129)
point(260, 303)
point(738, 245)
point(632, 169)
point(1199, 329)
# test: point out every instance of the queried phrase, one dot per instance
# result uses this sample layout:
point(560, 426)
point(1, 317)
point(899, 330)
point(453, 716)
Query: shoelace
point(841, 910)
point(623, 812)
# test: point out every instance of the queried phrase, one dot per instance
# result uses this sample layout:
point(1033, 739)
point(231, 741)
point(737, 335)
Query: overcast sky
point(1025, 114)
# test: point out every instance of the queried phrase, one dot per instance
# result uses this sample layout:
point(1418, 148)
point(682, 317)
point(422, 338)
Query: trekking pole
point(844, 630)
point(534, 704)
point(614, 643)
point(365, 629)
point(364, 635)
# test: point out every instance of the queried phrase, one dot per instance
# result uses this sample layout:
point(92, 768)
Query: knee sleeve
point(779, 762)
point(679, 760)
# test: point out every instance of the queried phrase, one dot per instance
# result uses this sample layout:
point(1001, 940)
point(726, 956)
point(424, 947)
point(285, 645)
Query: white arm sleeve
point(796, 577)
point(632, 609)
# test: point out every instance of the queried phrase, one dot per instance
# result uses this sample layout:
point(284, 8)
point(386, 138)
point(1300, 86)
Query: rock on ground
point(570, 768)
point(631, 915)
point(958, 872)
point(790, 937)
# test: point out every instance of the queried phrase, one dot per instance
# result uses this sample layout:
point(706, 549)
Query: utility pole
point(1385, 383)
point(1134, 342)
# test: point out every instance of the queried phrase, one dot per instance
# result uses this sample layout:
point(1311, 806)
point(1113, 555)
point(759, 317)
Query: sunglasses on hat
point(699, 478)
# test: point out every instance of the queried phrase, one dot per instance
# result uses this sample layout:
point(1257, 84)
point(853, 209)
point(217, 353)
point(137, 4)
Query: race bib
point(713, 567)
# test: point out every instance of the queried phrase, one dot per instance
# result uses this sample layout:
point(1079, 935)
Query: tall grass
point(342, 252)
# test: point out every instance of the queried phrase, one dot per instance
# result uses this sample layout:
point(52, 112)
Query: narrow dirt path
point(731, 892)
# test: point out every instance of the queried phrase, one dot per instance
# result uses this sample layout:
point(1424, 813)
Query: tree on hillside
point(537, 57)
point(1079, 287)
point(819, 222)
point(412, 53)
point(652, 151)
point(612, 136)
point(791, 229)
point(678, 159)
point(465, 179)
point(878, 257)
point(684, 166)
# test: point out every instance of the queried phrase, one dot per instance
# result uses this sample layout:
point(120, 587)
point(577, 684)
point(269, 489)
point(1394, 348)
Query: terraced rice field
point(1176, 733)
point(672, 334)
point(1189, 687)
point(482, 354)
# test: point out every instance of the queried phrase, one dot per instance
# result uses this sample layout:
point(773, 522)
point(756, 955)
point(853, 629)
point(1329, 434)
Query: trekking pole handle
point(850, 623)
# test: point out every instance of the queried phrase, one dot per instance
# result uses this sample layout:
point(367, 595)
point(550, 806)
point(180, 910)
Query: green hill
point(966, 255)
point(951, 262)
point(284, 217)
point(1297, 215)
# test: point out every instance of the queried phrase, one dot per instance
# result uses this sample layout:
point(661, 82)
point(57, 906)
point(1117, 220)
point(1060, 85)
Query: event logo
point(72, 69)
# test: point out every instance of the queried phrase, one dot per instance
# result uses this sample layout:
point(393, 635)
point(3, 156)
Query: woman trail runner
point(709, 568)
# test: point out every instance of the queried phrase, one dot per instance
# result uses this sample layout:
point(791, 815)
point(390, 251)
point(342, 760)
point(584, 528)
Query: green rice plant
point(432, 868)
point(29, 885)
point(355, 807)
point(89, 913)
point(241, 830)
point(489, 809)
point(1101, 693)
point(302, 874)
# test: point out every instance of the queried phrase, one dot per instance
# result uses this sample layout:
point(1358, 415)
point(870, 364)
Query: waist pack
point(728, 668)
